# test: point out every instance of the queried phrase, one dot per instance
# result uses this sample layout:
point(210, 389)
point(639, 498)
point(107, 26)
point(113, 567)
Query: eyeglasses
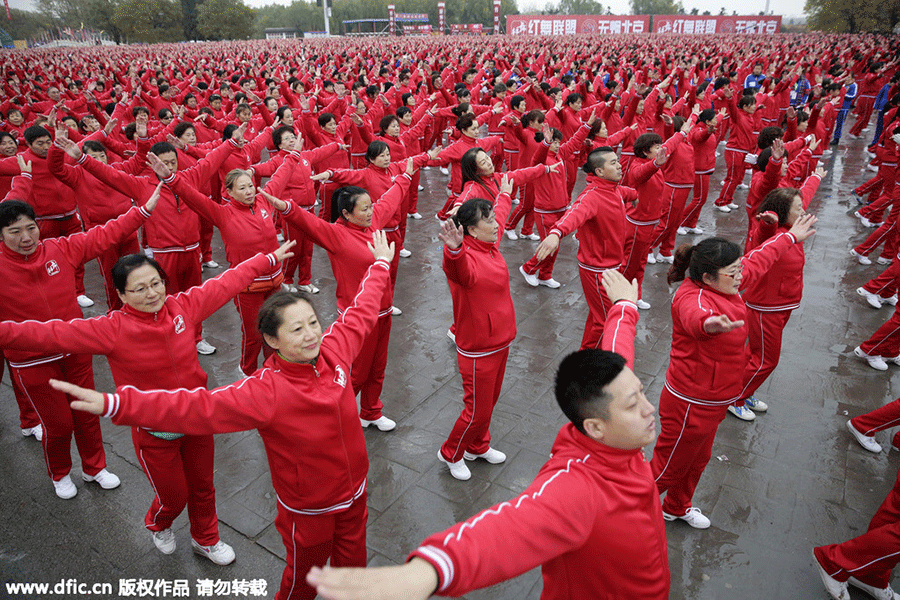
point(157, 285)
point(738, 270)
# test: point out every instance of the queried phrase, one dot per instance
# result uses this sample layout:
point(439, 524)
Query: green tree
point(581, 7)
point(224, 20)
point(189, 18)
point(27, 25)
point(150, 21)
point(852, 16)
point(655, 7)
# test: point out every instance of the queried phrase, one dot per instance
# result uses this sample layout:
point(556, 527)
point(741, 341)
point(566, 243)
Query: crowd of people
point(134, 156)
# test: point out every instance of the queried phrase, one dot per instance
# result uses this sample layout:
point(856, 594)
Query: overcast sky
point(787, 8)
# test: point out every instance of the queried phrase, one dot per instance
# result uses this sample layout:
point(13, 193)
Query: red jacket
point(298, 187)
point(41, 286)
point(489, 187)
point(592, 510)
point(708, 369)
point(306, 414)
point(479, 285)
point(704, 142)
point(174, 227)
point(50, 197)
point(547, 198)
point(781, 287)
point(599, 215)
point(145, 350)
point(346, 243)
point(454, 153)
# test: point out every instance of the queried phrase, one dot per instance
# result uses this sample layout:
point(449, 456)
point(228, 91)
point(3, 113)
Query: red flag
point(8, 15)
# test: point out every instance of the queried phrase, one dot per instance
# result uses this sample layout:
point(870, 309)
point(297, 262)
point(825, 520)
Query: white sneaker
point(877, 593)
point(866, 441)
point(396, 311)
point(681, 231)
point(550, 283)
point(164, 540)
point(288, 287)
point(641, 304)
point(210, 264)
point(107, 480)
point(221, 553)
point(84, 301)
point(742, 412)
point(665, 259)
point(874, 300)
point(827, 152)
point(531, 280)
point(756, 405)
point(451, 335)
point(205, 348)
point(511, 234)
point(883, 261)
point(308, 288)
point(421, 187)
point(382, 423)
point(458, 469)
point(404, 253)
point(742, 186)
point(651, 259)
point(876, 362)
point(836, 589)
point(724, 209)
point(734, 206)
point(871, 167)
point(493, 456)
point(860, 258)
point(414, 215)
point(37, 431)
point(692, 517)
point(533, 237)
point(892, 300)
point(444, 171)
point(65, 489)
point(695, 230)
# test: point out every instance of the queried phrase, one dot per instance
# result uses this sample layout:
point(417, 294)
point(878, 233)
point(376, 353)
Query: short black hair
point(595, 159)
point(35, 132)
point(581, 381)
point(11, 210)
point(471, 212)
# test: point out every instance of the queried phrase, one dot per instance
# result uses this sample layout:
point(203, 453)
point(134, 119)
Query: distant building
point(282, 33)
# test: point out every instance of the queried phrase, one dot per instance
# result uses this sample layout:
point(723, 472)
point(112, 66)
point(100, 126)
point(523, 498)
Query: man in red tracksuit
point(590, 518)
point(599, 215)
point(39, 285)
point(303, 405)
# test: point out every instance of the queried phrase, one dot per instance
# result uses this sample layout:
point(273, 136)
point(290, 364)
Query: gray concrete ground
point(775, 487)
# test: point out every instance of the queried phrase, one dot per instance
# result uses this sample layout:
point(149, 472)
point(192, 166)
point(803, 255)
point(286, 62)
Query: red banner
point(392, 19)
point(8, 16)
point(467, 28)
point(572, 24)
point(416, 29)
point(694, 25)
point(496, 17)
point(442, 23)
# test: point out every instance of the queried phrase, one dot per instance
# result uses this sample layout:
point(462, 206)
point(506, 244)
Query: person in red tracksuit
point(591, 518)
point(549, 204)
point(703, 140)
point(345, 242)
point(772, 298)
point(709, 347)
point(303, 407)
point(147, 348)
point(866, 562)
point(678, 175)
point(646, 177)
point(741, 143)
point(98, 204)
point(39, 285)
point(484, 319)
point(247, 223)
point(599, 216)
point(302, 191)
point(173, 234)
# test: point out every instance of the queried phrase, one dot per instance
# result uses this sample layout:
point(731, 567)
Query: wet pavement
point(775, 487)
